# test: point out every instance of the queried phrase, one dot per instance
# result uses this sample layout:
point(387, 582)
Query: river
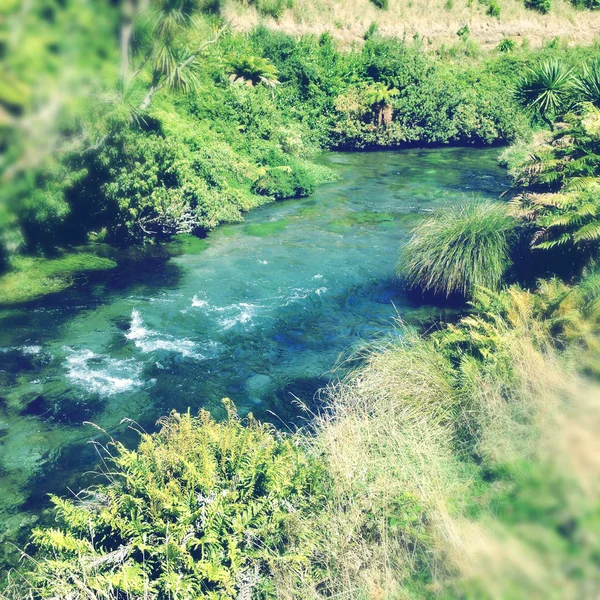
point(268, 312)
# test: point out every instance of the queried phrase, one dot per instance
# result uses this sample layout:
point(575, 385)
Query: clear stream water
point(263, 315)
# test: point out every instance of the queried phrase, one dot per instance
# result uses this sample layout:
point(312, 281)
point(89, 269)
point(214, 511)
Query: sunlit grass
point(455, 473)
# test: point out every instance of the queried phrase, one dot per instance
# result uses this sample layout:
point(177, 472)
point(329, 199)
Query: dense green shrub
point(383, 4)
point(272, 8)
point(589, 4)
point(199, 510)
point(493, 9)
point(435, 103)
point(506, 45)
point(543, 6)
point(163, 186)
point(458, 249)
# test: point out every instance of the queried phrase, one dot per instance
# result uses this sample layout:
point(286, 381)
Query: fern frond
point(563, 220)
point(565, 238)
point(588, 233)
point(581, 184)
point(552, 200)
point(588, 210)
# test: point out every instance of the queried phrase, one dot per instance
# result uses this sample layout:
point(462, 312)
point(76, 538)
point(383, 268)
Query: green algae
point(361, 219)
point(185, 243)
point(310, 210)
point(32, 278)
point(228, 230)
point(266, 229)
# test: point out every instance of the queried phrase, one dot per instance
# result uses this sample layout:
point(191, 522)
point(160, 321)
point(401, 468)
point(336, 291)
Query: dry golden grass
point(394, 431)
point(347, 20)
point(388, 441)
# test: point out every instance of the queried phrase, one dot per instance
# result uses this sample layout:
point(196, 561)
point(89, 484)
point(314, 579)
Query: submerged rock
point(260, 386)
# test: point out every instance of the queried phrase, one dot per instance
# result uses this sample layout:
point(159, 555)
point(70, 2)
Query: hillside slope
point(437, 21)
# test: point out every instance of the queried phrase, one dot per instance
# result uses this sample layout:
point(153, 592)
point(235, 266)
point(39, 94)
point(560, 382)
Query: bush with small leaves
point(284, 182)
point(589, 4)
point(542, 6)
point(272, 8)
point(506, 45)
point(493, 9)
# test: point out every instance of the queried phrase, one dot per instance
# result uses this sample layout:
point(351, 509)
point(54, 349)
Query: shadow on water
point(268, 313)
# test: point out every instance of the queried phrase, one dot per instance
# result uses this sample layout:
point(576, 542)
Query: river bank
point(260, 312)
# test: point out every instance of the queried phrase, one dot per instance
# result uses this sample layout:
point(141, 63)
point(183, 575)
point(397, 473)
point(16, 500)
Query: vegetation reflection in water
point(261, 313)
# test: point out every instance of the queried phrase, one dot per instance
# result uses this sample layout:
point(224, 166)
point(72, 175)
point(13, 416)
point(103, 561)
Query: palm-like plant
point(252, 71)
point(378, 97)
point(173, 65)
point(588, 83)
point(546, 90)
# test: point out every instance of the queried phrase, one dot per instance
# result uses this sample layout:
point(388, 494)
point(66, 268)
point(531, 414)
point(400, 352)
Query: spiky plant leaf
point(546, 88)
point(564, 239)
point(588, 83)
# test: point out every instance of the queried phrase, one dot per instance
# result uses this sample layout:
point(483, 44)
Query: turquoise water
point(267, 314)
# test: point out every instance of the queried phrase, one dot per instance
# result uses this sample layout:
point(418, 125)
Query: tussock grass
point(457, 460)
point(458, 248)
point(387, 440)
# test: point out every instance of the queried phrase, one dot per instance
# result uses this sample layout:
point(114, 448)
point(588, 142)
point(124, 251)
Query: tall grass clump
point(459, 248)
point(463, 462)
point(387, 438)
